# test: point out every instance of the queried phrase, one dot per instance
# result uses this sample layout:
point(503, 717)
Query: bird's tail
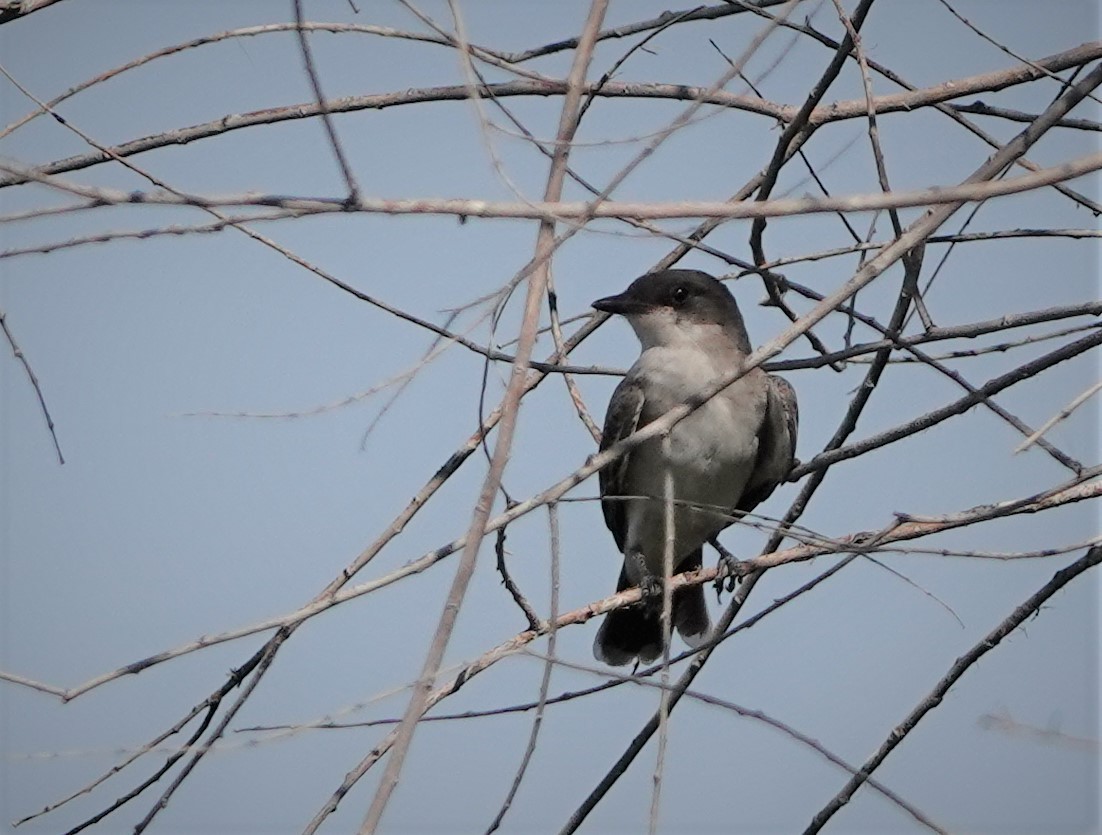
point(636, 632)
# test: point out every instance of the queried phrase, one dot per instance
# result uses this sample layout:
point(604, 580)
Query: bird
point(725, 458)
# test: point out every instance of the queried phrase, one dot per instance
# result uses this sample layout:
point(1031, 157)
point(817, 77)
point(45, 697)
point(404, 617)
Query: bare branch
point(537, 284)
point(957, 407)
point(545, 682)
point(1028, 608)
point(510, 584)
point(13, 9)
point(1055, 419)
point(17, 352)
point(323, 108)
point(972, 190)
point(838, 111)
point(983, 109)
point(662, 21)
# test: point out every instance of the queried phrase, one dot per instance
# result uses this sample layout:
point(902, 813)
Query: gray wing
point(776, 444)
point(625, 411)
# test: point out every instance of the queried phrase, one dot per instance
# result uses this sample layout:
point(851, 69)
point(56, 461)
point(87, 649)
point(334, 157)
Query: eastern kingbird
point(724, 458)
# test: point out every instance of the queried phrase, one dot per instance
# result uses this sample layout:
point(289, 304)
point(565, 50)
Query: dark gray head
point(671, 306)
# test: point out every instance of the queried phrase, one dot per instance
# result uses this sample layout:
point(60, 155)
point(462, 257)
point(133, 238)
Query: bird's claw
point(650, 587)
point(729, 569)
point(730, 573)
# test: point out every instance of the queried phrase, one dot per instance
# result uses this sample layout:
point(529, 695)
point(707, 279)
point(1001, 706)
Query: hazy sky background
point(163, 526)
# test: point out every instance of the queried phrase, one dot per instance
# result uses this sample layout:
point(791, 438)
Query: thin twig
point(1004, 48)
point(942, 104)
point(510, 584)
point(1028, 608)
point(537, 283)
point(265, 656)
point(1004, 722)
point(776, 724)
point(571, 387)
point(800, 126)
point(1055, 419)
point(578, 212)
point(984, 109)
point(991, 387)
point(660, 22)
point(323, 107)
point(837, 111)
point(914, 235)
point(548, 667)
point(17, 352)
point(666, 620)
point(931, 362)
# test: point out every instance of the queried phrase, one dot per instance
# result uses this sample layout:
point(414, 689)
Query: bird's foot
point(729, 570)
point(649, 585)
point(651, 588)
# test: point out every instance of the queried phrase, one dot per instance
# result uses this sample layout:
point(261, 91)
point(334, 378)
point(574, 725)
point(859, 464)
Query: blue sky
point(181, 512)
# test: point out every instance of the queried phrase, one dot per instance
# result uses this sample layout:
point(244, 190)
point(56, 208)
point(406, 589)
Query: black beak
point(623, 304)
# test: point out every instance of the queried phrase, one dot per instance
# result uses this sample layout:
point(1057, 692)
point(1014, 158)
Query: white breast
point(711, 452)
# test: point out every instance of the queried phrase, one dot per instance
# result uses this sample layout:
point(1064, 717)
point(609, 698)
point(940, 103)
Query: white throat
point(662, 328)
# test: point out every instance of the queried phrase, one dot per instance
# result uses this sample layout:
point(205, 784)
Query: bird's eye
point(680, 294)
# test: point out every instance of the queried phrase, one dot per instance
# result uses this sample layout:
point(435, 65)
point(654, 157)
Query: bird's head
point(674, 307)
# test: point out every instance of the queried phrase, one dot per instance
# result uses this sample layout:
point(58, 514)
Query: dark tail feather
point(636, 632)
point(627, 634)
point(690, 615)
point(690, 610)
